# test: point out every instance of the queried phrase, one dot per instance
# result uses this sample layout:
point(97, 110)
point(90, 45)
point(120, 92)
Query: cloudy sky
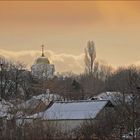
point(64, 27)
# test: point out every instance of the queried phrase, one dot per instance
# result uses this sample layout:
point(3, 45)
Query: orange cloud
point(63, 62)
point(65, 26)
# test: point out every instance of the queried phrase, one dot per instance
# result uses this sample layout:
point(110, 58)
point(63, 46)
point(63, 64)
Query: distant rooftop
point(75, 110)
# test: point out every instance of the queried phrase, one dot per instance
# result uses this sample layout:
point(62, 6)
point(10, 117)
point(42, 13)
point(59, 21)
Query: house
point(71, 114)
point(38, 103)
point(116, 98)
point(63, 117)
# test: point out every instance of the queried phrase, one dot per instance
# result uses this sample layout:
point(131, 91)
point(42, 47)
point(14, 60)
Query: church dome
point(42, 60)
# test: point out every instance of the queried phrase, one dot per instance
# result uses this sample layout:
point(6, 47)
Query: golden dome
point(42, 60)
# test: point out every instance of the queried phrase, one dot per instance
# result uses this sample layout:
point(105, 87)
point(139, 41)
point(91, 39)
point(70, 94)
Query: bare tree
point(127, 82)
point(90, 55)
point(102, 70)
point(10, 77)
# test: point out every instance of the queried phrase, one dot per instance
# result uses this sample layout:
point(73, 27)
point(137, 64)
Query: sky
point(64, 27)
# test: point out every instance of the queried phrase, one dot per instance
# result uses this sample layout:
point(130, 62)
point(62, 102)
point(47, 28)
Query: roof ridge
point(78, 101)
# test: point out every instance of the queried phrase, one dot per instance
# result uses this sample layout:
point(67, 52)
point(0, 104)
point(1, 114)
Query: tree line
point(17, 81)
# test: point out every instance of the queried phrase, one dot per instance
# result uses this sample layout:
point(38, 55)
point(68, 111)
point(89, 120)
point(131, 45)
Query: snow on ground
point(22, 120)
point(36, 116)
point(130, 134)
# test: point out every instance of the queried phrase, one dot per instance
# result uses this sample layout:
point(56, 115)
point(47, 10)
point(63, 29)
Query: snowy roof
point(35, 100)
point(78, 110)
point(114, 97)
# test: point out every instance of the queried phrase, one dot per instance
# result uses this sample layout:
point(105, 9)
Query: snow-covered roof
point(114, 97)
point(47, 97)
point(72, 110)
point(35, 100)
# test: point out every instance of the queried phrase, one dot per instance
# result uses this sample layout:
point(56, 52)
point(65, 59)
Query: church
point(42, 68)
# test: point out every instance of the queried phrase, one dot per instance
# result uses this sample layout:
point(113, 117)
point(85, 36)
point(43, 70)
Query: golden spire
point(42, 50)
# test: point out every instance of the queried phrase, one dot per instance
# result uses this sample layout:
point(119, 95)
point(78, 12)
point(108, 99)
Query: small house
point(71, 114)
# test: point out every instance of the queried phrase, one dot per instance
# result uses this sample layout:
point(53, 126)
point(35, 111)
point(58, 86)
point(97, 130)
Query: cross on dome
point(42, 50)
